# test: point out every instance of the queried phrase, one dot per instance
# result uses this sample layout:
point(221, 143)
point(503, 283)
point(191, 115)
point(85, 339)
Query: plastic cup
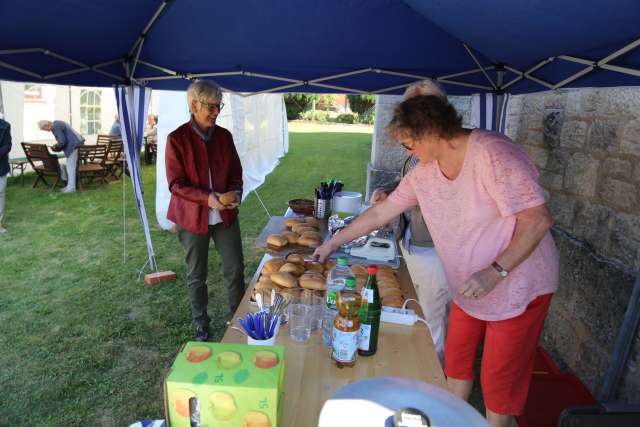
point(300, 316)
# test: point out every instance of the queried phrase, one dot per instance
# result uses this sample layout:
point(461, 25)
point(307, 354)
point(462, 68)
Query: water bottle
point(335, 283)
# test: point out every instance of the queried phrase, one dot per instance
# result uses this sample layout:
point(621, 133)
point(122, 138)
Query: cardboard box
point(235, 385)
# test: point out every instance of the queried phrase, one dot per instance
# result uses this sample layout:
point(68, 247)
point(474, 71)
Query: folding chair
point(43, 162)
point(103, 139)
point(91, 163)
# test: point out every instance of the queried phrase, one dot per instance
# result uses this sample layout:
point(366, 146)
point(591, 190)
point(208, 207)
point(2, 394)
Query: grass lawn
point(82, 342)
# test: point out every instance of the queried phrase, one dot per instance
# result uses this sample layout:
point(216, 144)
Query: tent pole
point(500, 72)
point(475, 59)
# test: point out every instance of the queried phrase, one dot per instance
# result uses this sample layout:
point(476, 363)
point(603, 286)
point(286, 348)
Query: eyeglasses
point(213, 107)
point(407, 147)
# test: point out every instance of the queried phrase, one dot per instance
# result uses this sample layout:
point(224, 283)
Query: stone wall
point(586, 144)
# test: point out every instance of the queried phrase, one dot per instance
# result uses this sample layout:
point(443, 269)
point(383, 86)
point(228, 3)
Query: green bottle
point(369, 315)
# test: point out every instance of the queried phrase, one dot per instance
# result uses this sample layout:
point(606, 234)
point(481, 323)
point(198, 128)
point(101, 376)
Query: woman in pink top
point(489, 222)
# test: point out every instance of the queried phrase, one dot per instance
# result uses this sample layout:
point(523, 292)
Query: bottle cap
point(343, 261)
point(372, 269)
point(350, 282)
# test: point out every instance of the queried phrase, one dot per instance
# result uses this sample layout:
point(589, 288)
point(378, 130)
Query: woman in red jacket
point(202, 163)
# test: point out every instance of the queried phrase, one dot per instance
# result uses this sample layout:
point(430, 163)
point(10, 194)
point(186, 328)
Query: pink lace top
point(471, 220)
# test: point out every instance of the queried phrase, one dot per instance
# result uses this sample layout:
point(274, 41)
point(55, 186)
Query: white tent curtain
point(133, 105)
point(260, 132)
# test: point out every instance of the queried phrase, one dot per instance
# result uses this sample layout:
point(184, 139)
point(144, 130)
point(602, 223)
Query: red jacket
point(187, 162)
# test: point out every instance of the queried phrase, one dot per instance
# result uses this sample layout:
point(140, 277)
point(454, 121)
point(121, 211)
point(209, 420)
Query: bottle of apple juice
point(346, 325)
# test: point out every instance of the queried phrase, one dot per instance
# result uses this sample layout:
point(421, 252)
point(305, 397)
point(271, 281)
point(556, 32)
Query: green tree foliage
point(297, 103)
point(361, 103)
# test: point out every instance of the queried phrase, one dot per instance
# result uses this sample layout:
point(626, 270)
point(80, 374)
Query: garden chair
point(103, 139)
point(44, 163)
point(91, 163)
point(115, 161)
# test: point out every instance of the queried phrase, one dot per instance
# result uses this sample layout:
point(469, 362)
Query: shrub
point(346, 118)
point(361, 103)
point(326, 102)
point(366, 118)
point(296, 103)
point(318, 116)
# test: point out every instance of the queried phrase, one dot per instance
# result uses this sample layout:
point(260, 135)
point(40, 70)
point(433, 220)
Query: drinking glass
point(300, 322)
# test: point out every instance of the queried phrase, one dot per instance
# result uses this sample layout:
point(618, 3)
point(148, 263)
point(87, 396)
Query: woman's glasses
point(407, 147)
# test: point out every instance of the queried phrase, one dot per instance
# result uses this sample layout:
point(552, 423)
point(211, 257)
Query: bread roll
point(311, 242)
point(296, 258)
point(313, 281)
point(291, 237)
point(228, 198)
point(314, 266)
point(389, 292)
point(396, 302)
point(329, 265)
point(313, 234)
point(295, 269)
point(359, 269)
point(293, 221)
point(301, 227)
point(287, 280)
point(314, 222)
point(277, 240)
point(273, 265)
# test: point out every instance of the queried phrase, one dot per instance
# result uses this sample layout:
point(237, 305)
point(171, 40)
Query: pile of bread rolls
point(293, 272)
point(388, 284)
point(299, 231)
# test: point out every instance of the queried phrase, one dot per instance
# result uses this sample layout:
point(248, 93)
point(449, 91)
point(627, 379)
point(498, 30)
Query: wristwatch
point(501, 271)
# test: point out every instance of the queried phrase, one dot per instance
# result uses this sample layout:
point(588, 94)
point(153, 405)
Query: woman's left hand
point(480, 283)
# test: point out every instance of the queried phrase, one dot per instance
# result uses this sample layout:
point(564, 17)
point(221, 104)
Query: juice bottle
point(369, 314)
point(346, 326)
point(335, 283)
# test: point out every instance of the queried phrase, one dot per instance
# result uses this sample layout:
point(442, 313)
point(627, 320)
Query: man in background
point(67, 140)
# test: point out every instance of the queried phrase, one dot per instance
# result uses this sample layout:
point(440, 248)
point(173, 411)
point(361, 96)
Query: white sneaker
point(68, 190)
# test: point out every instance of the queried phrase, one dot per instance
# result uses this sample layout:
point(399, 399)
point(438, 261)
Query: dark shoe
point(202, 333)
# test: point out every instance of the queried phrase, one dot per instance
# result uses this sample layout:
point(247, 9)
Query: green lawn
point(82, 342)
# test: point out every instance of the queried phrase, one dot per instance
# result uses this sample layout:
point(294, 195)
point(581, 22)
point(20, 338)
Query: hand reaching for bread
point(323, 251)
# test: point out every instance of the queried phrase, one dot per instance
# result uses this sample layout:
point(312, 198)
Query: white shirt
point(214, 214)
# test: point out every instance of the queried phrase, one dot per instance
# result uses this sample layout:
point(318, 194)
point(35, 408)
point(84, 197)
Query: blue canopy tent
point(351, 46)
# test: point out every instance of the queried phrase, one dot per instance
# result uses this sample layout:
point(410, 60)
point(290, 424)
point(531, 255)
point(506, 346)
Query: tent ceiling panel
point(304, 41)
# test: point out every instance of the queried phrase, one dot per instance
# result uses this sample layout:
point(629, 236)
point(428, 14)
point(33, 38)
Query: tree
point(361, 103)
point(297, 103)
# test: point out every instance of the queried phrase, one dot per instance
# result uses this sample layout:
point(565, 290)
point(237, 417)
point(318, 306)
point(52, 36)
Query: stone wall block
point(574, 103)
point(591, 98)
point(617, 168)
point(559, 336)
point(630, 138)
point(555, 99)
point(538, 155)
point(558, 160)
point(593, 224)
point(552, 122)
point(619, 194)
point(533, 111)
point(574, 134)
point(630, 384)
point(550, 181)
point(563, 210)
point(636, 172)
point(619, 102)
point(623, 248)
point(603, 135)
point(580, 175)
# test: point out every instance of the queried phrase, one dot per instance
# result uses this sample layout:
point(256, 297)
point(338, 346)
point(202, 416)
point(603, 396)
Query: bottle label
point(345, 345)
point(367, 295)
point(331, 299)
point(365, 337)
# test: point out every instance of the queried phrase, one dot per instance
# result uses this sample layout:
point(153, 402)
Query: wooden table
point(311, 377)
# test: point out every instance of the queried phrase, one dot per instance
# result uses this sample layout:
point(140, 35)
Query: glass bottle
point(369, 315)
point(335, 283)
point(346, 326)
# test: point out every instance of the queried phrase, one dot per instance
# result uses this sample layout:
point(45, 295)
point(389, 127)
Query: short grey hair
point(203, 90)
point(426, 87)
point(43, 123)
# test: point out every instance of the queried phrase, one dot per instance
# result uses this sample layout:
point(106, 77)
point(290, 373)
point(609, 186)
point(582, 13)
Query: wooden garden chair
point(44, 163)
point(115, 161)
point(92, 164)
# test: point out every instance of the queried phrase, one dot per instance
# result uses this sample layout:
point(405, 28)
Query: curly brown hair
point(424, 115)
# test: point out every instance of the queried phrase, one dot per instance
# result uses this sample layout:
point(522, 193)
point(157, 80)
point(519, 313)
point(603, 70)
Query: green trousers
point(228, 243)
